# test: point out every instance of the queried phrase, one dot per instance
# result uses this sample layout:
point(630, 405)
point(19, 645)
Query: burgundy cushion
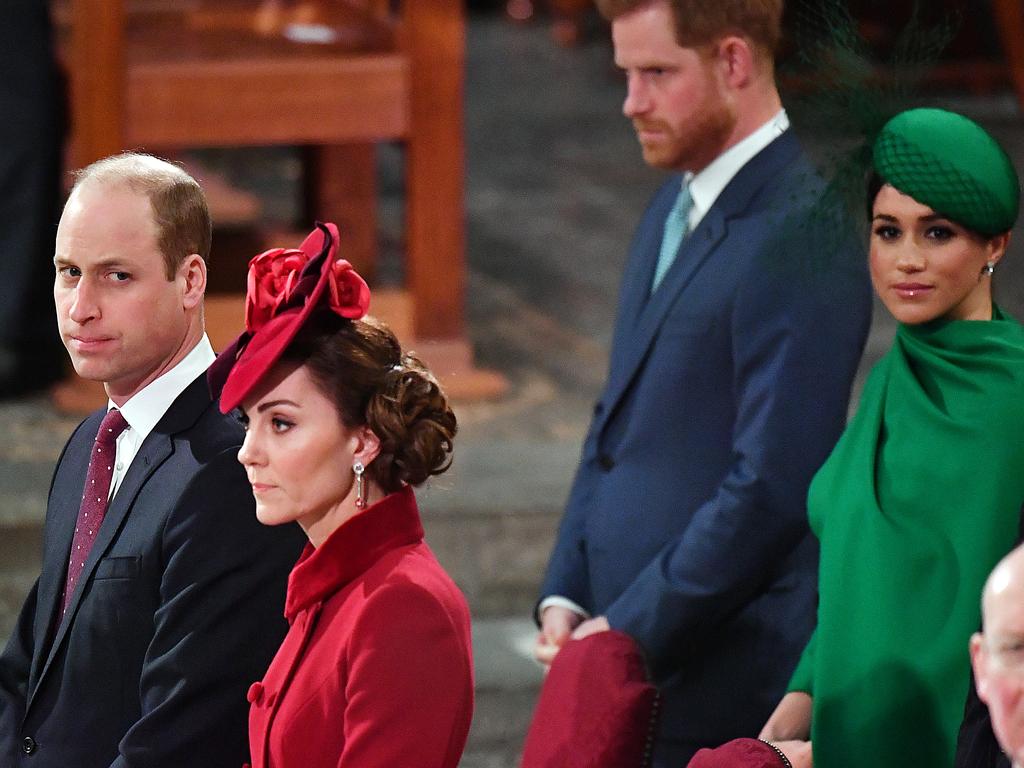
point(596, 709)
point(738, 753)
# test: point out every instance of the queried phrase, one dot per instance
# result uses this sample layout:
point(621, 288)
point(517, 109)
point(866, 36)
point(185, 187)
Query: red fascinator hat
point(285, 286)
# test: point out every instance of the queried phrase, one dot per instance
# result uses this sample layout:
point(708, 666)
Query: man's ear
point(193, 273)
point(736, 61)
point(979, 662)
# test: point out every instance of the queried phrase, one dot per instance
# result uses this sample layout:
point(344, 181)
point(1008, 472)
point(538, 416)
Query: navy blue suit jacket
point(179, 608)
point(686, 525)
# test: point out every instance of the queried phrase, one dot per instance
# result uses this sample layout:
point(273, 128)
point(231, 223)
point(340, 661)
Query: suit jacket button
point(255, 693)
point(28, 745)
point(606, 462)
point(598, 409)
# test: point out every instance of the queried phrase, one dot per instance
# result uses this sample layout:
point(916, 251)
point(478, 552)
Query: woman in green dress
point(923, 492)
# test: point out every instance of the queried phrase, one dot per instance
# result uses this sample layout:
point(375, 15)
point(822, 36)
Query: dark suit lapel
point(632, 345)
point(638, 273)
point(153, 452)
point(62, 514)
point(693, 252)
point(647, 248)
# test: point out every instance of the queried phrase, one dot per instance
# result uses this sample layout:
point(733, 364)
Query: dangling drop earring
point(989, 268)
point(358, 468)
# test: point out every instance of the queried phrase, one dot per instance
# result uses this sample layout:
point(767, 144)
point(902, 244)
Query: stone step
point(492, 519)
point(14, 585)
point(507, 684)
point(20, 547)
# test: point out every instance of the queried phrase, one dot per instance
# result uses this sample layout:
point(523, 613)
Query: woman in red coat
point(376, 669)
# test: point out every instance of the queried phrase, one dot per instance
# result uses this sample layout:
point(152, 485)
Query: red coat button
point(255, 693)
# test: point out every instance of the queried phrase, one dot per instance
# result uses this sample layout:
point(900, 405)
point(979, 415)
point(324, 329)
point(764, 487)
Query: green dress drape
point(920, 498)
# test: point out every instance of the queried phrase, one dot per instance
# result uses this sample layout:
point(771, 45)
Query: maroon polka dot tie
point(94, 497)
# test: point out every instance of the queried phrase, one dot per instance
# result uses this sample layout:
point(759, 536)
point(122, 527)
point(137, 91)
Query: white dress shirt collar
point(706, 186)
point(147, 406)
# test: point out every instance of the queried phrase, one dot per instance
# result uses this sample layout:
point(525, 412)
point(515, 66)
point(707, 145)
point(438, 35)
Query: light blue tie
point(676, 225)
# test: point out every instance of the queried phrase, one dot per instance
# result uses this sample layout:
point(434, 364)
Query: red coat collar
point(358, 543)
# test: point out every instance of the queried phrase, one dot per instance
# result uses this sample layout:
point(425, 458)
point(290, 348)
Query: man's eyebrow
point(101, 264)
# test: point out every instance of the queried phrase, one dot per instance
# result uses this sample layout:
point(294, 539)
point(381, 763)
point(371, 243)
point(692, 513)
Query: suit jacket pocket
point(118, 568)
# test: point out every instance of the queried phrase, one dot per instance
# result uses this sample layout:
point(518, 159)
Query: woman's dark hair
point(875, 184)
point(360, 366)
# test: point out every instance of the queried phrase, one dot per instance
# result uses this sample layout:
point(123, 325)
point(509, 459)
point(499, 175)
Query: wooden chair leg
point(435, 230)
point(341, 186)
point(97, 93)
point(1009, 18)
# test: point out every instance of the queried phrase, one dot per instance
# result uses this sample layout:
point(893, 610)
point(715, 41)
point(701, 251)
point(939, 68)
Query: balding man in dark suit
point(160, 598)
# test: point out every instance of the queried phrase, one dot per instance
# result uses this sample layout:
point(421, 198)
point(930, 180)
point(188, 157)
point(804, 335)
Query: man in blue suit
point(160, 599)
point(742, 315)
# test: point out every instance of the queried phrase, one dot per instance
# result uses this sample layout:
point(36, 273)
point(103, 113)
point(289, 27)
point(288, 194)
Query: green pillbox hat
point(952, 165)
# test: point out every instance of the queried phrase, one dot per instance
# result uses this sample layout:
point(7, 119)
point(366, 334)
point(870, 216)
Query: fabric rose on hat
point(274, 275)
point(349, 294)
point(272, 278)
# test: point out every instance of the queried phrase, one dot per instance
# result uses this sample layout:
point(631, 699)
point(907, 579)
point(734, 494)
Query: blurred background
point(485, 181)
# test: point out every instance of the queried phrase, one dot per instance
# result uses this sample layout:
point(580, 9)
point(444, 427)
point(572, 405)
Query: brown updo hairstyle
point(360, 366)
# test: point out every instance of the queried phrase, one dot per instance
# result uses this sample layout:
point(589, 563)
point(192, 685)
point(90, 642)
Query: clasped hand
point(558, 625)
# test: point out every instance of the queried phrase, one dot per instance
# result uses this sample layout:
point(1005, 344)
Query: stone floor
point(555, 186)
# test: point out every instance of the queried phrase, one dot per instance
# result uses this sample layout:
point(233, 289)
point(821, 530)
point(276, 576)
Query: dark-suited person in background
point(31, 137)
point(731, 364)
point(154, 613)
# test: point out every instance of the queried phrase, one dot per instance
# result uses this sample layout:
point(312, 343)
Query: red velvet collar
point(358, 543)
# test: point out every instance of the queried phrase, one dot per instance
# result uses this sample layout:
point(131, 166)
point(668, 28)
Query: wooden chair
point(1009, 21)
point(334, 76)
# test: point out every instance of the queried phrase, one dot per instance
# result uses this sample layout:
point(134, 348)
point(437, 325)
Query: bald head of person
point(997, 653)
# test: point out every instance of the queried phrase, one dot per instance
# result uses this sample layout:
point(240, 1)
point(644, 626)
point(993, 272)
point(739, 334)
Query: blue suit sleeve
point(567, 574)
point(797, 336)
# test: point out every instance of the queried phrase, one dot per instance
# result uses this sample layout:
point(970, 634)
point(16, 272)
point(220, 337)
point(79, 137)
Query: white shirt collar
point(706, 186)
point(147, 406)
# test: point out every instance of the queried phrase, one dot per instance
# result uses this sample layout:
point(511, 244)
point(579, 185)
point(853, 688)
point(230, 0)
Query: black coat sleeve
point(976, 745)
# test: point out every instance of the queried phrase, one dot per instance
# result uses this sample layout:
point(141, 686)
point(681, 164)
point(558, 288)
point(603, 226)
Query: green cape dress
point(920, 498)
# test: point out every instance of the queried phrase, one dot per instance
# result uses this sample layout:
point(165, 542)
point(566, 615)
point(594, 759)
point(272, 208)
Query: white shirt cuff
point(562, 602)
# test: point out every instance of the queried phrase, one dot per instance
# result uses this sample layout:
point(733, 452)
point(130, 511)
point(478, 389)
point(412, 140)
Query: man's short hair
point(702, 22)
point(179, 206)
